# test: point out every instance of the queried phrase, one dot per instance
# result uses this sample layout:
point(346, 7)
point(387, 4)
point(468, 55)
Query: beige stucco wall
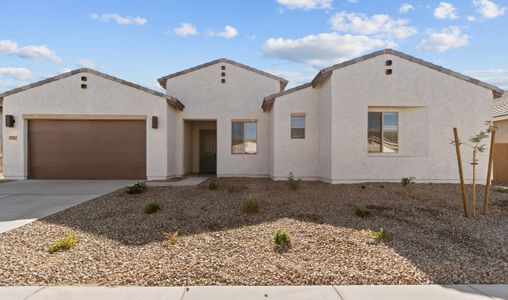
point(430, 104)
point(206, 98)
point(102, 97)
point(425, 132)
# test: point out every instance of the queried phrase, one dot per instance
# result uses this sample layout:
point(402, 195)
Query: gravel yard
point(218, 244)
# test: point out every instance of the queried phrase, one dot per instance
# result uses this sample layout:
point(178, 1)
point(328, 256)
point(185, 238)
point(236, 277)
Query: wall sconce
point(155, 122)
point(9, 121)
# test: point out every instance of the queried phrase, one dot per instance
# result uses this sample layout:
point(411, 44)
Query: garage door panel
point(98, 149)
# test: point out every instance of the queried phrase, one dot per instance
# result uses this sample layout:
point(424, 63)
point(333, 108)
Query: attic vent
point(223, 68)
point(389, 62)
point(223, 74)
point(389, 71)
point(83, 78)
point(223, 80)
point(83, 86)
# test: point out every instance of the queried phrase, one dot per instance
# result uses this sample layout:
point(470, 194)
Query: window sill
point(388, 155)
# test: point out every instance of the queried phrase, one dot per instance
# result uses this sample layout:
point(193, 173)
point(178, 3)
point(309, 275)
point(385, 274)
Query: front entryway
point(207, 151)
point(200, 147)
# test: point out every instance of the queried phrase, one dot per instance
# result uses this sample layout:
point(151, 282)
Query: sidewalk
point(394, 292)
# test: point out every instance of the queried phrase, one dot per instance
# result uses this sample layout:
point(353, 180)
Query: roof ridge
point(171, 100)
point(162, 80)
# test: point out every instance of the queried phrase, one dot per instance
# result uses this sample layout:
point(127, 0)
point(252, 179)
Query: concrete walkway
point(418, 292)
point(187, 181)
point(22, 202)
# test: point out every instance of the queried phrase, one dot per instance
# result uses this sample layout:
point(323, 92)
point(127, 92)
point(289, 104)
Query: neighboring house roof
point(163, 80)
point(501, 107)
point(326, 73)
point(172, 101)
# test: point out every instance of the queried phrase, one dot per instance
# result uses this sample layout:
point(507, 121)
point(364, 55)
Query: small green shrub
point(152, 208)
point(282, 239)
point(251, 206)
point(407, 180)
point(501, 189)
point(380, 235)
point(137, 188)
point(292, 182)
point(362, 212)
point(66, 243)
point(212, 185)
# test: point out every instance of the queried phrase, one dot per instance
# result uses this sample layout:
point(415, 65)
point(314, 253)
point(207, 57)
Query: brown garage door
point(501, 163)
point(87, 149)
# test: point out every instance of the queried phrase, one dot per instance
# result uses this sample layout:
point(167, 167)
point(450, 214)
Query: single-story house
point(379, 117)
point(501, 142)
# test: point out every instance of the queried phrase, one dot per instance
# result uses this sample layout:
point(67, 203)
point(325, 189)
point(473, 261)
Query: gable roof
point(501, 107)
point(327, 72)
point(163, 80)
point(172, 101)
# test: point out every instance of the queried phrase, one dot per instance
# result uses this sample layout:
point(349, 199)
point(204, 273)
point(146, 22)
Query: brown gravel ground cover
point(431, 242)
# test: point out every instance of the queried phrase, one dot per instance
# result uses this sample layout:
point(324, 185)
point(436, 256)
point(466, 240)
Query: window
point(297, 126)
point(383, 132)
point(244, 137)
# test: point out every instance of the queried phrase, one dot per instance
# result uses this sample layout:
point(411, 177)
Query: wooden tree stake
point(461, 174)
point(489, 173)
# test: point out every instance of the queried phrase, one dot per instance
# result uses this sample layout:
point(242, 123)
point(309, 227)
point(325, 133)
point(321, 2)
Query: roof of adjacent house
point(326, 73)
point(163, 80)
point(172, 101)
point(501, 106)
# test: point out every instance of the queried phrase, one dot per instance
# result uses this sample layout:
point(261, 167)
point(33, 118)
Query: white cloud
point(405, 8)
point(321, 50)
point(306, 4)
point(85, 63)
point(228, 33)
point(185, 29)
point(444, 40)
point(353, 1)
point(120, 20)
point(497, 77)
point(489, 9)
point(16, 73)
point(471, 18)
point(378, 25)
point(446, 10)
point(31, 51)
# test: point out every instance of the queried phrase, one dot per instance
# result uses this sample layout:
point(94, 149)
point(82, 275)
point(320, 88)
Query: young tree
point(477, 145)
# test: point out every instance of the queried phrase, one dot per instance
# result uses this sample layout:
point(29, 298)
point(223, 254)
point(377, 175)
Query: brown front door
point(86, 149)
point(207, 151)
point(501, 163)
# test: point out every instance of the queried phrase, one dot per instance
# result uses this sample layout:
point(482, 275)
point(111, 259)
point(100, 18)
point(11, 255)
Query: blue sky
point(141, 41)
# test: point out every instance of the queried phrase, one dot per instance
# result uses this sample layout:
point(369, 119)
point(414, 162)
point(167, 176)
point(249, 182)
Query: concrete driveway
point(22, 202)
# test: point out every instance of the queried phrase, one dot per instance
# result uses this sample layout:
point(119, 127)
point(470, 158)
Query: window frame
point(301, 115)
point(244, 121)
point(381, 152)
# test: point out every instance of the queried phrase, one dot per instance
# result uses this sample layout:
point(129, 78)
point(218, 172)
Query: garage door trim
point(81, 117)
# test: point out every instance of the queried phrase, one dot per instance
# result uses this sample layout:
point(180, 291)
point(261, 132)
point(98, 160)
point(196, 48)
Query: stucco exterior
point(429, 100)
point(102, 97)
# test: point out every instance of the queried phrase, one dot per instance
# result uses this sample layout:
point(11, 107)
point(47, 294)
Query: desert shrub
point(282, 239)
point(137, 188)
point(171, 239)
point(501, 189)
point(407, 180)
point(292, 182)
point(212, 185)
point(66, 243)
point(362, 212)
point(151, 208)
point(380, 235)
point(251, 205)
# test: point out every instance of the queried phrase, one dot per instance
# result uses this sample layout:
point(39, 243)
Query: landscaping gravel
point(218, 244)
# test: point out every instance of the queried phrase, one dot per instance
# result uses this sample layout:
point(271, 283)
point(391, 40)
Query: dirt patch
point(430, 241)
